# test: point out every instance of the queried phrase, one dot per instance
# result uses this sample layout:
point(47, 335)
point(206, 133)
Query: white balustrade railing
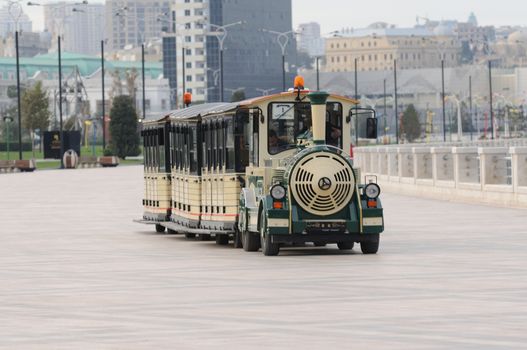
point(483, 172)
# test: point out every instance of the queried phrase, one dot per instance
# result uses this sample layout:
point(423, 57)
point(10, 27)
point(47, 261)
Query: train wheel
point(268, 247)
point(237, 239)
point(190, 235)
point(222, 239)
point(345, 245)
point(370, 247)
point(160, 229)
point(202, 237)
point(251, 241)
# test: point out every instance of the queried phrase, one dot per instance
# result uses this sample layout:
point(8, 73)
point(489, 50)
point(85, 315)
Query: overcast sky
point(337, 14)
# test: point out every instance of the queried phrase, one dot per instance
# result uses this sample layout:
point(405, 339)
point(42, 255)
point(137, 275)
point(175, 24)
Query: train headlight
point(372, 191)
point(278, 192)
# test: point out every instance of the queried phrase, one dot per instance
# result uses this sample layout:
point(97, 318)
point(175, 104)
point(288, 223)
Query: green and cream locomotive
point(265, 173)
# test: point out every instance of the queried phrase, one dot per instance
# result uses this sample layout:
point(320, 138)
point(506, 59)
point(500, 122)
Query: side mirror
point(371, 128)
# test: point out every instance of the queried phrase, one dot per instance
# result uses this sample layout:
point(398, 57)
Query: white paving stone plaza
point(77, 273)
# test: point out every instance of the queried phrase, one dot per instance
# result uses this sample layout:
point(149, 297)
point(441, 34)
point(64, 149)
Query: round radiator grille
point(322, 183)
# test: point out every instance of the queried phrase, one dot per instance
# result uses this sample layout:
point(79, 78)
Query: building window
point(187, 13)
point(189, 64)
point(189, 78)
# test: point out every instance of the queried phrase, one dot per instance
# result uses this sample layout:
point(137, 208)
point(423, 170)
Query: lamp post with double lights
point(220, 32)
point(282, 39)
point(265, 92)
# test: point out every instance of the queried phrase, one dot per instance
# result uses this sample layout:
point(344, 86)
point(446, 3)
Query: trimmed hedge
point(13, 146)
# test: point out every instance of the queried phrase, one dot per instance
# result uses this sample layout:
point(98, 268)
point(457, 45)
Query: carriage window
point(210, 163)
point(229, 143)
point(176, 147)
point(150, 149)
point(220, 146)
point(334, 124)
point(214, 145)
point(281, 132)
point(145, 148)
point(241, 140)
point(290, 122)
point(186, 151)
point(204, 144)
point(156, 150)
point(161, 136)
point(193, 149)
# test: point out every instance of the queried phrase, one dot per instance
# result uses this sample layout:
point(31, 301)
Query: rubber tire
point(171, 232)
point(222, 239)
point(370, 247)
point(237, 239)
point(190, 235)
point(268, 247)
point(345, 245)
point(251, 241)
point(160, 229)
point(319, 244)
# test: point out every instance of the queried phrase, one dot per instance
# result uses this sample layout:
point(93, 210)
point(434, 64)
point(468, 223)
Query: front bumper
point(323, 237)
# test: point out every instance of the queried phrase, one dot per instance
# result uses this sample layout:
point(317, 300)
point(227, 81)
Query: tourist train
point(265, 173)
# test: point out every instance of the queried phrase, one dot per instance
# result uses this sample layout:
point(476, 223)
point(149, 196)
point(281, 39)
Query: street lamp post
point(60, 106)
point(385, 112)
point(443, 96)
point(282, 38)
point(396, 102)
point(18, 98)
point(318, 72)
point(103, 98)
point(490, 102)
point(15, 11)
point(356, 99)
point(143, 78)
point(221, 34)
point(470, 105)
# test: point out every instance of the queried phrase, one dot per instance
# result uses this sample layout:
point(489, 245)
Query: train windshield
point(290, 124)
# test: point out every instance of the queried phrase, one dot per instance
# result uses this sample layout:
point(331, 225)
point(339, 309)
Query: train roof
point(215, 108)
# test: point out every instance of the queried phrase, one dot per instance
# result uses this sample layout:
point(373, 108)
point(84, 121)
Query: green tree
point(410, 125)
point(238, 95)
point(123, 127)
point(35, 111)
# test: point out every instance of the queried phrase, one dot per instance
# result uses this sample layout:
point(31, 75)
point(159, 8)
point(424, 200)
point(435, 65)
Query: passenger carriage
point(264, 172)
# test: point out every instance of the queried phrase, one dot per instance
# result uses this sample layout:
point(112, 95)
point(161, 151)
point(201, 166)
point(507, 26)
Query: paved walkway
point(76, 272)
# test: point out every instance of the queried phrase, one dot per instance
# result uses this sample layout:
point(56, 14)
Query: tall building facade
point(8, 24)
point(189, 26)
point(375, 49)
point(310, 39)
point(81, 26)
point(252, 58)
point(132, 22)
